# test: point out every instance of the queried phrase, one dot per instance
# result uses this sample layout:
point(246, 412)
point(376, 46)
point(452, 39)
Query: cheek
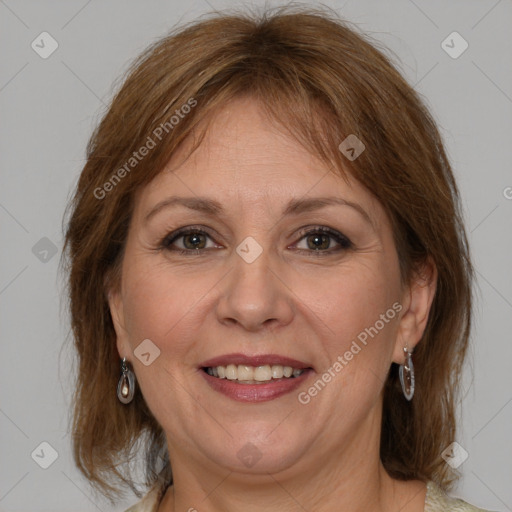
point(355, 311)
point(150, 307)
point(352, 299)
point(151, 296)
point(159, 306)
point(162, 304)
point(362, 325)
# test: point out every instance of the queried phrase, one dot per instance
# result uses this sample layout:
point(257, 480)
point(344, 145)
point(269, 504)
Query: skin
point(324, 455)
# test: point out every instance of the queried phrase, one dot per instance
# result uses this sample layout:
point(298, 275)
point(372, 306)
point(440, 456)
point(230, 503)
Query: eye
point(318, 240)
point(193, 241)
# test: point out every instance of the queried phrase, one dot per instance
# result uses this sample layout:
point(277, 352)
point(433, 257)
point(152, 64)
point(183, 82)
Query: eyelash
point(342, 240)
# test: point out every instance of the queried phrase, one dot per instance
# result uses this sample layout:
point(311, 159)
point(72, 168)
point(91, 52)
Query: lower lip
point(256, 392)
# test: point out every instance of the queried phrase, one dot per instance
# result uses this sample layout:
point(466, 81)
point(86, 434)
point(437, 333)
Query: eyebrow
point(213, 208)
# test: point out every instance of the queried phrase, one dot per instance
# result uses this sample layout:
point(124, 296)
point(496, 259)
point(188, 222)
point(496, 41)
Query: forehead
point(243, 144)
point(246, 159)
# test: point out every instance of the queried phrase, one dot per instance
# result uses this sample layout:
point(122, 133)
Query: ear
point(115, 302)
point(416, 301)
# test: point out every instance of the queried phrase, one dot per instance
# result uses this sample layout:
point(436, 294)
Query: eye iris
point(196, 237)
point(322, 240)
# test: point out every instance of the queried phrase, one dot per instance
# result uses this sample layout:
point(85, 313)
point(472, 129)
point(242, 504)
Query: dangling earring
point(126, 384)
point(406, 373)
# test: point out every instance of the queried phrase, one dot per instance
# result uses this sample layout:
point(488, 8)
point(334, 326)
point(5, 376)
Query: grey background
point(48, 110)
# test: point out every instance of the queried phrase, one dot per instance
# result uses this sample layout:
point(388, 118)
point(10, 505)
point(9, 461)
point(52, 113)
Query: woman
point(269, 278)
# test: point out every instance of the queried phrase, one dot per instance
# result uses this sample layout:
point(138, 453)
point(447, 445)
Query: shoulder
point(438, 501)
point(150, 502)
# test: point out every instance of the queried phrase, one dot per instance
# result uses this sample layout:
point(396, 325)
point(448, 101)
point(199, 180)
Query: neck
point(351, 489)
point(348, 476)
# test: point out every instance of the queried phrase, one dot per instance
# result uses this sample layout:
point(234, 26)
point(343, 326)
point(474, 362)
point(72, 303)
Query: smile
point(246, 374)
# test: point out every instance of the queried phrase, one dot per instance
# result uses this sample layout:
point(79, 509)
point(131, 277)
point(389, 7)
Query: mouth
point(245, 374)
point(254, 378)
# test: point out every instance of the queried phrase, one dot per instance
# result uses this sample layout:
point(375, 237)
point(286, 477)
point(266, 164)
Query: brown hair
point(319, 80)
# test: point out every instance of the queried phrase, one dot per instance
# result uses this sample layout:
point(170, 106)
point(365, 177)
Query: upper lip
point(256, 360)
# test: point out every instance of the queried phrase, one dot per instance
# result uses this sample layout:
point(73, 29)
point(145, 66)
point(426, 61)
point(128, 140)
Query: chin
point(267, 450)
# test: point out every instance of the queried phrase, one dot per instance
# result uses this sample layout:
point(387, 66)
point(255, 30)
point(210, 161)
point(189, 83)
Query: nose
point(256, 295)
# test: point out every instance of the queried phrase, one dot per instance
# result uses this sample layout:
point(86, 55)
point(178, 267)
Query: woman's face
point(260, 287)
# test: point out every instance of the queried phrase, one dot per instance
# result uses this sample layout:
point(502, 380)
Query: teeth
point(231, 372)
point(253, 374)
point(262, 373)
point(277, 371)
point(245, 372)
